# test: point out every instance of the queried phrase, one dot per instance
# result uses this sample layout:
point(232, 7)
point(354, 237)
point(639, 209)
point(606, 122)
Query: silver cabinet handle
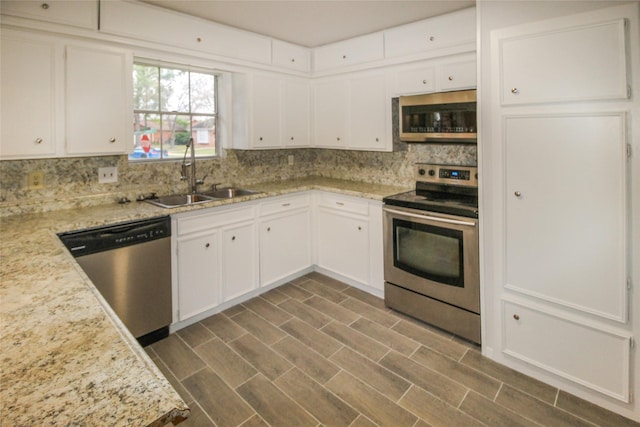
point(339, 203)
point(207, 245)
point(45, 6)
point(517, 317)
point(450, 78)
point(293, 59)
point(112, 140)
point(233, 237)
point(268, 228)
point(424, 82)
point(359, 228)
point(286, 204)
point(431, 38)
point(38, 141)
point(514, 90)
point(344, 56)
point(517, 194)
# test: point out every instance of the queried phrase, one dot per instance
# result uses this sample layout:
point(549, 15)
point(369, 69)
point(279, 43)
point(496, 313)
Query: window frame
point(159, 65)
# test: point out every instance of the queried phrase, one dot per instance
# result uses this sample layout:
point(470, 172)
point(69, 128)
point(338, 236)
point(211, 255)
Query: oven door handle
point(431, 218)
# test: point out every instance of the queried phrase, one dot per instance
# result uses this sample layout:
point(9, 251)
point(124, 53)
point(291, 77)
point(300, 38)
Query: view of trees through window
point(172, 105)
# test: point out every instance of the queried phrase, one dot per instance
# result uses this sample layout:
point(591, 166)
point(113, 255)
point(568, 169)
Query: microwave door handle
point(431, 218)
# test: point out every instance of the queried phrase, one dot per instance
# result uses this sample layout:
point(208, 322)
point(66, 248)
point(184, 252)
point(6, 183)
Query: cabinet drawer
point(290, 56)
point(344, 204)
point(568, 347)
point(284, 204)
point(78, 13)
point(211, 218)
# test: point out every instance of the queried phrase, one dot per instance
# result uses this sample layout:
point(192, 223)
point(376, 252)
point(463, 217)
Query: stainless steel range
point(431, 265)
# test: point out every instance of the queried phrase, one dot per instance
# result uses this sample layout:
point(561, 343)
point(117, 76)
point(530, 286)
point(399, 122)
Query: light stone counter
point(66, 358)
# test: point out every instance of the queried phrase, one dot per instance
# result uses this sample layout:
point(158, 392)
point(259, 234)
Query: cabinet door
point(296, 113)
point(239, 266)
point(595, 357)
point(98, 101)
point(198, 274)
point(28, 97)
point(330, 109)
point(420, 80)
point(457, 76)
point(566, 228)
point(266, 112)
point(353, 51)
point(291, 56)
point(343, 244)
point(367, 112)
point(285, 245)
point(536, 65)
point(78, 13)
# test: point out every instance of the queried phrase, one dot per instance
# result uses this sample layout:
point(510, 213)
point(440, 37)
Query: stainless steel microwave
point(439, 117)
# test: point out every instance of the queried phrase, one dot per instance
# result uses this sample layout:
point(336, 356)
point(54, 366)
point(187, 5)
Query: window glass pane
point(204, 135)
point(175, 134)
point(174, 90)
point(146, 94)
point(146, 137)
point(203, 93)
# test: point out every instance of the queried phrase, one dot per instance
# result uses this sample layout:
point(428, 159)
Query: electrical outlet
point(290, 159)
point(108, 175)
point(35, 180)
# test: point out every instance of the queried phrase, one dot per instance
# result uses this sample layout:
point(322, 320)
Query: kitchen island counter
point(66, 357)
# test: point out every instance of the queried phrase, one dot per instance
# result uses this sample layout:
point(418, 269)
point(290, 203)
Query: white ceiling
point(313, 23)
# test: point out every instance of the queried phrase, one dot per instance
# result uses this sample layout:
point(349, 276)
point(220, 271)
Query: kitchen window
point(171, 106)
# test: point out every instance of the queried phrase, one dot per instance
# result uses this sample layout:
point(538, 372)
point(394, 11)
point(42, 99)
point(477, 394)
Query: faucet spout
point(194, 180)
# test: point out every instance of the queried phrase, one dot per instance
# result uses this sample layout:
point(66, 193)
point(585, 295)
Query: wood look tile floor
point(317, 352)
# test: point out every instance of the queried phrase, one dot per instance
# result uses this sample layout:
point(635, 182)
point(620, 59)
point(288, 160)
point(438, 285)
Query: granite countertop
point(66, 357)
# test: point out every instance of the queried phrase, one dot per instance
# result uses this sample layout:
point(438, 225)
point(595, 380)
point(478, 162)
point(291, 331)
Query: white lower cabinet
point(239, 259)
point(589, 354)
point(198, 273)
point(216, 258)
point(349, 239)
point(285, 238)
point(227, 254)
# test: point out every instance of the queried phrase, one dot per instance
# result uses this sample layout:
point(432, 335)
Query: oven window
point(434, 253)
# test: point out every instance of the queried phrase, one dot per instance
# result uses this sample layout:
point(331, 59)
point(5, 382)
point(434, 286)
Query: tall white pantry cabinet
point(560, 159)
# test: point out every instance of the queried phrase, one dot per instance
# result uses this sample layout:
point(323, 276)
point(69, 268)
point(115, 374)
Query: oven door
point(433, 254)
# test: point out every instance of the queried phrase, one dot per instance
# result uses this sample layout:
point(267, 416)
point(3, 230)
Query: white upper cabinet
point(30, 68)
point(329, 113)
point(266, 111)
point(271, 111)
point(354, 51)
point(430, 35)
point(367, 113)
point(416, 80)
point(296, 112)
point(562, 63)
point(77, 13)
point(160, 26)
point(98, 100)
point(456, 76)
point(290, 56)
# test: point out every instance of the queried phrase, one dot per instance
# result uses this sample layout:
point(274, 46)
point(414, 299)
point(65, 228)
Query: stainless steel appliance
point(130, 264)
point(439, 117)
point(431, 261)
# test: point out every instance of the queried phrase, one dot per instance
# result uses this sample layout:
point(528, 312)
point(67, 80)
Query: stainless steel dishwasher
point(130, 264)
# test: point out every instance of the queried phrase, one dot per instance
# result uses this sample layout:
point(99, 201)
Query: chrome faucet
point(191, 175)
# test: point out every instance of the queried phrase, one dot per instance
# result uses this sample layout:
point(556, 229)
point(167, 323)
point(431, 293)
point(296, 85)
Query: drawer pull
point(38, 141)
point(45, 6)
point(339, 203)
point(517, 317)
point(268, 229)
point(233, 237)
point(284, 205)
point(450, 78)
point(207, 245)
point(514, 90)
point(112, 140)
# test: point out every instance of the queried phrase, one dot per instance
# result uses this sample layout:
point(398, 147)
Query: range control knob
point(432, 172)
point(421, 171)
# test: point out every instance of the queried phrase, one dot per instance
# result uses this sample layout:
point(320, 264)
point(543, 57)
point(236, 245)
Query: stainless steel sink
point(229, 192)
point(177, 200)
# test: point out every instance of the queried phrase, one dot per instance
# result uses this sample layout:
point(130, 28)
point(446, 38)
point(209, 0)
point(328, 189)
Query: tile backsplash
point(71, 182)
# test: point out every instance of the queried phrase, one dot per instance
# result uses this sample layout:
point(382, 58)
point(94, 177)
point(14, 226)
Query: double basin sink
point(178, 200)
